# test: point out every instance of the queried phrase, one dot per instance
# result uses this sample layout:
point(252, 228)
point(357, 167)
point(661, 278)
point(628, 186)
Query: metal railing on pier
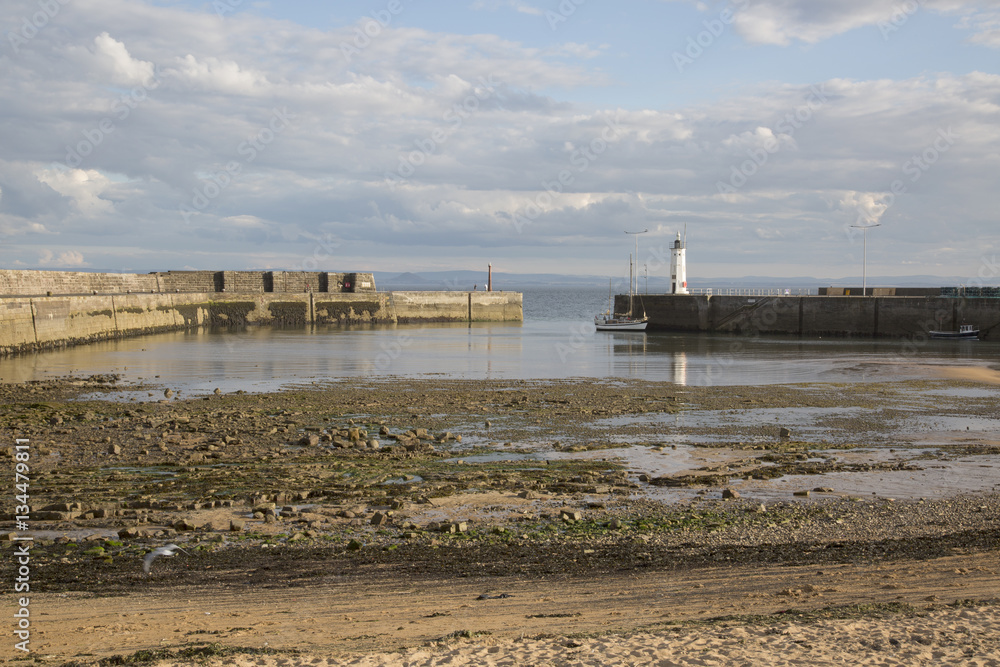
point(752, 291)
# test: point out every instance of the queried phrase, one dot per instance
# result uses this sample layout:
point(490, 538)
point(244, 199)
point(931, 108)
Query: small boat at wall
point(965, 332)
point(611, 321)
point(606, 322)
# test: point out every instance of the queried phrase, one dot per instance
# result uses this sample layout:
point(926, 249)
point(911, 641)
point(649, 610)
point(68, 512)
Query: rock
point(309, 440)
point(570, 515)
point(354, 545)
point(728, 494)
point(615, 524)
point(823, 489)
point(801, 493)
point(185, 525)
point(55, 516)
point(373, 444)
point(784, 433)
point(115, 449)
point(128, 533)
point(217, 391)
point(379, 519)
point(8, 537)
point(422, 434)
point(168, 393)
point(454, 527)
point(237, 525)
point(61, 507)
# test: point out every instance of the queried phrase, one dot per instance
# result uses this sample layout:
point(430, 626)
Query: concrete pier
point(67, 315)
point(816, 316)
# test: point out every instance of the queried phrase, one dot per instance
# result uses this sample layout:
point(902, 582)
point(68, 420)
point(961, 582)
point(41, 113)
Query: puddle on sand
point(710, 426)
point(933, 482)
point(931, 479)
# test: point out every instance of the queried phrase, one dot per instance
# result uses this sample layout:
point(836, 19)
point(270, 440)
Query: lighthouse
point(678, 268)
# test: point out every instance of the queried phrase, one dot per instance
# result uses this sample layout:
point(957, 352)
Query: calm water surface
point(556, 340)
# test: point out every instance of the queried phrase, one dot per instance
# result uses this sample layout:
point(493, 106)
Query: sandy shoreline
point(967, 637)
point(535, 539)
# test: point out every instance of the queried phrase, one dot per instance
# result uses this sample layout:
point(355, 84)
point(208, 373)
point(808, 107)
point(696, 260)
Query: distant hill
point(466, 280)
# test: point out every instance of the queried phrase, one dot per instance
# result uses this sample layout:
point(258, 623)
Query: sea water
point(556, 340)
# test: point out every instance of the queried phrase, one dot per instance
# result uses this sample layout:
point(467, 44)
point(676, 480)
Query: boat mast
point(630, 292)
point(630, 285)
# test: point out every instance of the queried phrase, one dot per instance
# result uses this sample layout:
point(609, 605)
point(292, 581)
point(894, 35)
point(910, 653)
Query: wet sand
point(349, 524)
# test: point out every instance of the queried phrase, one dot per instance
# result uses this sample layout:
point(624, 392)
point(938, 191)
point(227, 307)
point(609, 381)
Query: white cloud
point(782, 22)
point(65, 260)
point(475, 161)
point(83, 186)
point(516, 5)
point(220, 76)
point(864, 208)
point(985, 27)
point(125, 70)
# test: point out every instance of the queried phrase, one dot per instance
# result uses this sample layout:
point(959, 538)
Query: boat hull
point(621, 325)
point(955, 335)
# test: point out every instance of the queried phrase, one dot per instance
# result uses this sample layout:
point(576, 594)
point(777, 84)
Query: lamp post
point(864, 263)
point(636, 261)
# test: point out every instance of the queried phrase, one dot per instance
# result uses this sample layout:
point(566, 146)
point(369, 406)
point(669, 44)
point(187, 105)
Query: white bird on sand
point(168, 550)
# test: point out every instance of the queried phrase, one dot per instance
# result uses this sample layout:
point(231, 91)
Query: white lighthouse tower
point(678, 268)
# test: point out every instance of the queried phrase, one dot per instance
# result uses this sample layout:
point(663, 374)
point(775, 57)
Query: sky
point(406, 135)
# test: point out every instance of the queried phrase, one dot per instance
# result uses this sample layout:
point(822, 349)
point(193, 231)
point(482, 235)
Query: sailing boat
point(610, 321)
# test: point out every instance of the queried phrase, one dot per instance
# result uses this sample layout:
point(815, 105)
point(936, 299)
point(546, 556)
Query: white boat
point(965, 332)
point(611, 321)
point(620, 323)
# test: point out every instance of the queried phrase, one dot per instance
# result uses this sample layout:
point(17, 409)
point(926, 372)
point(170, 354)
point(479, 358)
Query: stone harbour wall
point(60, 283)
point(35, 323)
point(817, 316)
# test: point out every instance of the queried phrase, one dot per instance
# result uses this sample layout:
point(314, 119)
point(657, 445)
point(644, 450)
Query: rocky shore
point(493, 481)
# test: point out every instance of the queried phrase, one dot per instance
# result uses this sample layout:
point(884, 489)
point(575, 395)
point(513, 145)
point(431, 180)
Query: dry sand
point(895, 613)
point(966, 637)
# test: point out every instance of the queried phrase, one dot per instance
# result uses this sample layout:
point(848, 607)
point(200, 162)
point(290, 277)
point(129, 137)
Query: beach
point(450, 522)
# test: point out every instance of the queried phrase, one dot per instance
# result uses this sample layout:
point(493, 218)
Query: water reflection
point(263, 359)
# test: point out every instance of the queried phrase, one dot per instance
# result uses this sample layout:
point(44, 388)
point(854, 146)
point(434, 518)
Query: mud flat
point(463, 522)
